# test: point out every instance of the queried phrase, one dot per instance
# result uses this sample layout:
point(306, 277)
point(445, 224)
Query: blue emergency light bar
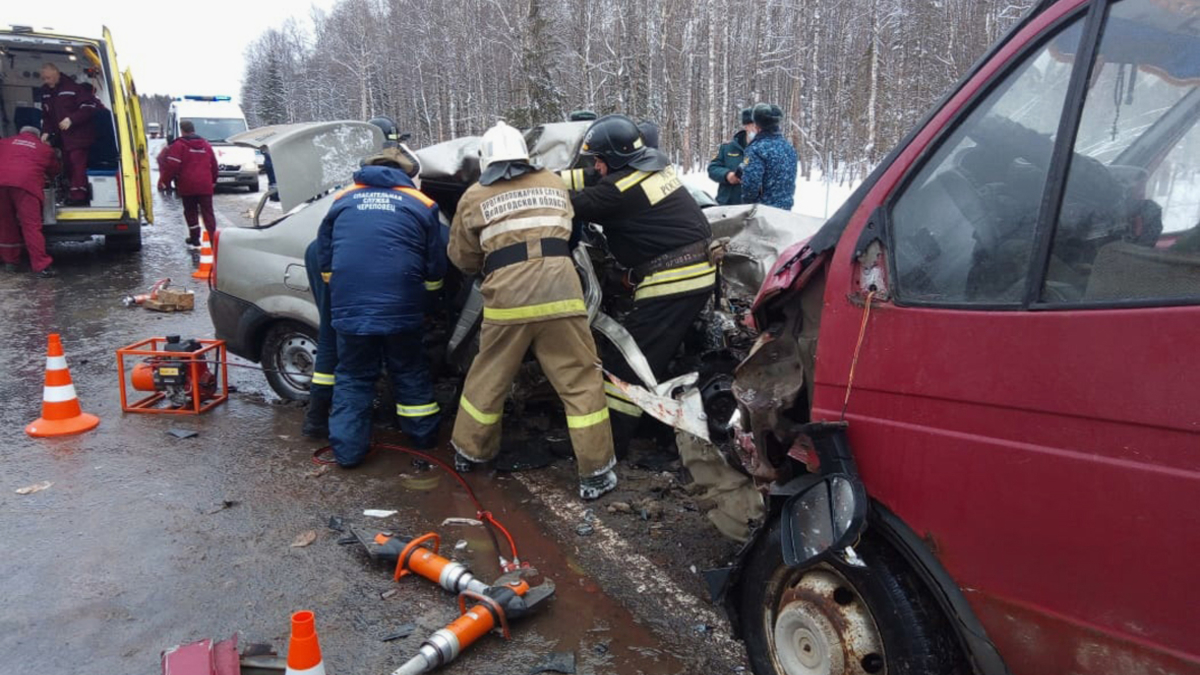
point(193, 97)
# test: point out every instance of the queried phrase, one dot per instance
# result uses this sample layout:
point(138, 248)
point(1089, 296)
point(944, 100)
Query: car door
point(1025, 394)
point(140, 150)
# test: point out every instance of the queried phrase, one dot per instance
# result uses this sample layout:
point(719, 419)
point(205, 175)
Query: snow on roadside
point(814, 197)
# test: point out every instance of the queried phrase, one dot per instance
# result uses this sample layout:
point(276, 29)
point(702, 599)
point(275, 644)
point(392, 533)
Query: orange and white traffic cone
point(61, 415)
point(304, 654)
point(206, 256)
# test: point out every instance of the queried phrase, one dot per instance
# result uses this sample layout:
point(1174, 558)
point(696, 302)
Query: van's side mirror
point(828, 515)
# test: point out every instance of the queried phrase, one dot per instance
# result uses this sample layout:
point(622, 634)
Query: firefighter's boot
point(593, 487)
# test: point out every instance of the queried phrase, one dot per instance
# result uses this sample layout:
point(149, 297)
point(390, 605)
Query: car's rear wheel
point(837, 619)
point(289, 350)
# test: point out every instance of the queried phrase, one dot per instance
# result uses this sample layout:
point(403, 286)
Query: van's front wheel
point(837, 619)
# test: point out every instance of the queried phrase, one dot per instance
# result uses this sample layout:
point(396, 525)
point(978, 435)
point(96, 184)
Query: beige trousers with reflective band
point(567, 353)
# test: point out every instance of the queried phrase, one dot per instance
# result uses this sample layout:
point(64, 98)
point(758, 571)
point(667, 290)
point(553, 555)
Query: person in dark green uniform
point(724, 167)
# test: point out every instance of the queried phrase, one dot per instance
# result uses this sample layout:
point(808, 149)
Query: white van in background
point(216, 119)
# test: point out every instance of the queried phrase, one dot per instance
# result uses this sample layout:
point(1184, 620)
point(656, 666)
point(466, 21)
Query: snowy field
point(814, 197)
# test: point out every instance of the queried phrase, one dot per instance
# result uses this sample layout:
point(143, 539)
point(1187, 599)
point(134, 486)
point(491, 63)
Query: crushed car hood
point(313, 157)
point(551, 146)
point(757, 235)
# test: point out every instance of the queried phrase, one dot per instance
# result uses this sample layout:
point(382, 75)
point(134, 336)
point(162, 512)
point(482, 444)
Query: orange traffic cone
point(304, 654)
point(61, 415)
point(206, 257)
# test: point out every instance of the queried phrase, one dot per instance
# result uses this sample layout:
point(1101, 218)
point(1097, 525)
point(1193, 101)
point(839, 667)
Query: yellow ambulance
point(119, 183)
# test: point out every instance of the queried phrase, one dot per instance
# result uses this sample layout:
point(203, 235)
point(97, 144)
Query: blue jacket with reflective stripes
point(382, 241)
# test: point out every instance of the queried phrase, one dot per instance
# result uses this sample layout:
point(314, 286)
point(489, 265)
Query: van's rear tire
point(289, 351)
point(836, 619)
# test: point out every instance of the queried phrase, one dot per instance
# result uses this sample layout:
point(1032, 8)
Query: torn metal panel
point(757, 235)
point(766, 387)
point(311, 158)
point(686, 412)
point(454, 161)
point(555, 146)
point(624, 342)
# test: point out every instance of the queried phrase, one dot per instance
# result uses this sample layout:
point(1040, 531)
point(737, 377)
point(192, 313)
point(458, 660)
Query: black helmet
point(768, 115)
point(391, 133)
point(747, 116)
point(615, 139)
point(582, 116)
point(649, 133)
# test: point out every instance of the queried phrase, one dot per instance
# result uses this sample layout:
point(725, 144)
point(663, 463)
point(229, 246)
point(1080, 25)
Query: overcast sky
point(173, 47)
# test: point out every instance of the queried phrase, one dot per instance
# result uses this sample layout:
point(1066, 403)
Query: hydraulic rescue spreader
point(510, 597)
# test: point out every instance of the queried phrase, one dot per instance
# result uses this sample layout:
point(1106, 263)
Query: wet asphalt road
point(144, 541)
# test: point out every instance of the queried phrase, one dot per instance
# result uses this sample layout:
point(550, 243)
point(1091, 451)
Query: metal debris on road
point(30, 489)
point(304, 539)
point(461, 545)
point(228, 503)
point(470, 522)
point(183, 433)
point(336, 524)
point(379, 513)
point(585, 529)
point(388, 593)
point(557, 662)
point(401, 632)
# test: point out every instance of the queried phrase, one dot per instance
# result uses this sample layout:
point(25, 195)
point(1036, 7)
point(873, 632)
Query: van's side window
point(963, 226)
point(1129, 226)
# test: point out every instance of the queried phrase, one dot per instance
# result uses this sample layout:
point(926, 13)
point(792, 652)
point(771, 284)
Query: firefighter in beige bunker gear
point(513, 227)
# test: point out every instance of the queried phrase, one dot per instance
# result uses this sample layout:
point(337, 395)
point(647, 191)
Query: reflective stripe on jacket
point(26, 162)
point(644, 214)
point(192, 164)
point(381, 242)
point(518, 212)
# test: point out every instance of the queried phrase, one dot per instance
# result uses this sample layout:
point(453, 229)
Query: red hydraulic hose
point(480, 512)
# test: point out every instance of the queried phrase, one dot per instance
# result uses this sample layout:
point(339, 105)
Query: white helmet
point(502, 143)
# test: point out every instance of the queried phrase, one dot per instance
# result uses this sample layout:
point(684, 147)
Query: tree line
point(851, 75)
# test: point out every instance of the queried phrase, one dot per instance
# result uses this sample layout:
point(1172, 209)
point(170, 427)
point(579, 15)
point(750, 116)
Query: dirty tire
point(288, 350)
point(910, 634)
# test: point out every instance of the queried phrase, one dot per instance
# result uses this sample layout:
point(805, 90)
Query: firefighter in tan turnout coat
point(514, 226)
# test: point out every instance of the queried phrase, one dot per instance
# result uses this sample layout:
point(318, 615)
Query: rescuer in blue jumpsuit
point(381, 250)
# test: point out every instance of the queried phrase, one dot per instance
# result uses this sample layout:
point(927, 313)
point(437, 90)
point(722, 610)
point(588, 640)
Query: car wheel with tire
point(253, 187)
point(289, 350)
point(837, 619)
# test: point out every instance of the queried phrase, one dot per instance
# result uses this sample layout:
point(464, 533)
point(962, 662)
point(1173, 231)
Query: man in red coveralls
point(192, 164)
point(25, 164)
point(67, 109)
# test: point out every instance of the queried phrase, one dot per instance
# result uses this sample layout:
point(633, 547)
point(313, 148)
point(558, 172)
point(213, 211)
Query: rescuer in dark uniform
point(654, 229)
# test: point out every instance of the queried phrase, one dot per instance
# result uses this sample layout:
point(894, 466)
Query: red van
point(976, 395)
